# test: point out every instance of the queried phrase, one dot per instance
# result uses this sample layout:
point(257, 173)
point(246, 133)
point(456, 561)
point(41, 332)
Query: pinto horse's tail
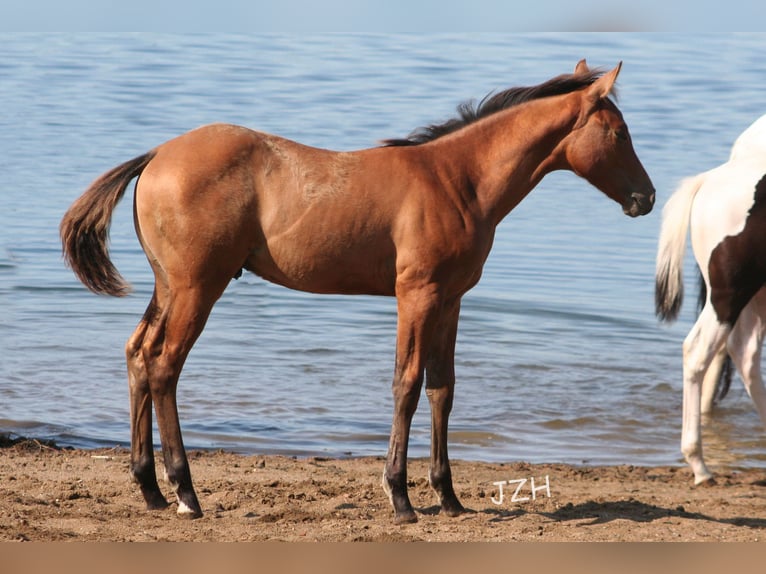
point(669, 284)
point(85, 228)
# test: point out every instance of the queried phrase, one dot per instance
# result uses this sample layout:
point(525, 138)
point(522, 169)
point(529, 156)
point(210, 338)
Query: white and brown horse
point(414, 219)
point(725, 210)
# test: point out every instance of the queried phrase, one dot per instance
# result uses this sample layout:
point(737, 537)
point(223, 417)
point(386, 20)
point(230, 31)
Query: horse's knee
point(406, 396)
point(440, 399)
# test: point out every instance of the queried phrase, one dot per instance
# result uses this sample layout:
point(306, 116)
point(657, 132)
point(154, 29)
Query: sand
point(52, 494)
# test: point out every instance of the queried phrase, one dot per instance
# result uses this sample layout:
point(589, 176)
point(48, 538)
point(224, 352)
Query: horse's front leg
point(440, 386)
point(417, 310)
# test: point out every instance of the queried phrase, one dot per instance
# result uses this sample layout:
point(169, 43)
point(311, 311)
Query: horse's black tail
point(726, 367)
point(85, 228)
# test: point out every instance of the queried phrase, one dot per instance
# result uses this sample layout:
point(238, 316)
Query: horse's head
point(600, 150)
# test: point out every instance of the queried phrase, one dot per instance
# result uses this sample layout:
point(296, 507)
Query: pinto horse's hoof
point(707, 483)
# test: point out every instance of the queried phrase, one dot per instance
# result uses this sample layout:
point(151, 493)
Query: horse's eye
point(621, 134)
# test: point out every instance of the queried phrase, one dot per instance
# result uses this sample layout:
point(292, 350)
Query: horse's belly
point(343, 272)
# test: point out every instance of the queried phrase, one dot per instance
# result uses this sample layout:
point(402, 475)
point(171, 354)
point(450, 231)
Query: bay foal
point(414, 218)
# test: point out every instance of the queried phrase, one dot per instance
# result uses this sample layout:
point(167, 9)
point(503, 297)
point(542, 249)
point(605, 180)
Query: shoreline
point(53, 494)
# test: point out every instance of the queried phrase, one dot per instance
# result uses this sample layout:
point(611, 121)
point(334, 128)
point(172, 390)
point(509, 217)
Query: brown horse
point(414, 218)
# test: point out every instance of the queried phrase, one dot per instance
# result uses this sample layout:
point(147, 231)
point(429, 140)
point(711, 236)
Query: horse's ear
point(582, 67)
point(597, 91)
point(602, 87)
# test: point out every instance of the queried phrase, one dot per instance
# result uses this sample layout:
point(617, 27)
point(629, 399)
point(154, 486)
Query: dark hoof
point(157, 505)
point(453, 510)
point(710, 482)
point(405, 517)
point(155, 501)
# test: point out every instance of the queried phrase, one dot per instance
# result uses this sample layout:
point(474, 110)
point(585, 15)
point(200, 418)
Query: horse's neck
point(509, 153)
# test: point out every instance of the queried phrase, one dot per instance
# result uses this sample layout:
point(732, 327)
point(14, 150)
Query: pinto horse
point(726, 211)
point(413, 218)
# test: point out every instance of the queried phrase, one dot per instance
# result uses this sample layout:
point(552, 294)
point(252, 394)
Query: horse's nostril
point(642, 198)
point(642, 203)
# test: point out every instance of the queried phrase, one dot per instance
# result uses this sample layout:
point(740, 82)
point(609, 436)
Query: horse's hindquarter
point(194, 202)
point(722, 204)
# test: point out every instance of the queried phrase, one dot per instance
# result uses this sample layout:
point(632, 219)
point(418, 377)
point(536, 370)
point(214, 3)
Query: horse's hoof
point(188, 513)
point(405, 517)
point(706, 483)
point(157, 505)
point(453, 511)
point(155, 501)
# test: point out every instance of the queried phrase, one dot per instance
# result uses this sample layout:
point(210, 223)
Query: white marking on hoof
point(184, 510)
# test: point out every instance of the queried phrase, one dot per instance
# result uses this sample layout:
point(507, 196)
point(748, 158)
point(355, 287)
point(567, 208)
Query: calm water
point(560, 357)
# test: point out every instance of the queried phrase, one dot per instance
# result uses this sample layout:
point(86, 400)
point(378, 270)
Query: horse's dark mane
point(469, 112)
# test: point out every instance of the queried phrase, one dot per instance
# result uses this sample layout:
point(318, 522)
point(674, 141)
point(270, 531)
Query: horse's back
point(751, 142)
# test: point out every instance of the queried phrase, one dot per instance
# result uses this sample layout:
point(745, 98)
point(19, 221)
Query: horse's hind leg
point(440, 386)
point(745, 347)
point(700, 347)
point(141, 447)
point(178, 321)
point(711, 380)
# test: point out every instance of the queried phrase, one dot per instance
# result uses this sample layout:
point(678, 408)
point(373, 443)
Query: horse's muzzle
point(639, 204)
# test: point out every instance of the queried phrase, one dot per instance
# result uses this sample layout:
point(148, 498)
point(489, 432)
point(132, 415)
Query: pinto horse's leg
point(141, 446)
point(746, 343)
point(440, 386)
point(417, 309)
point(711, 379)
point(701, 345)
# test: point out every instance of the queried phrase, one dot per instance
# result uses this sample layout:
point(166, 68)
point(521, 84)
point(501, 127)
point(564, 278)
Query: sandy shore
point(48, 494)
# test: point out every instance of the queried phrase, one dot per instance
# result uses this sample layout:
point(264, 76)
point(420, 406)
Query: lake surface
point(559, 355)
